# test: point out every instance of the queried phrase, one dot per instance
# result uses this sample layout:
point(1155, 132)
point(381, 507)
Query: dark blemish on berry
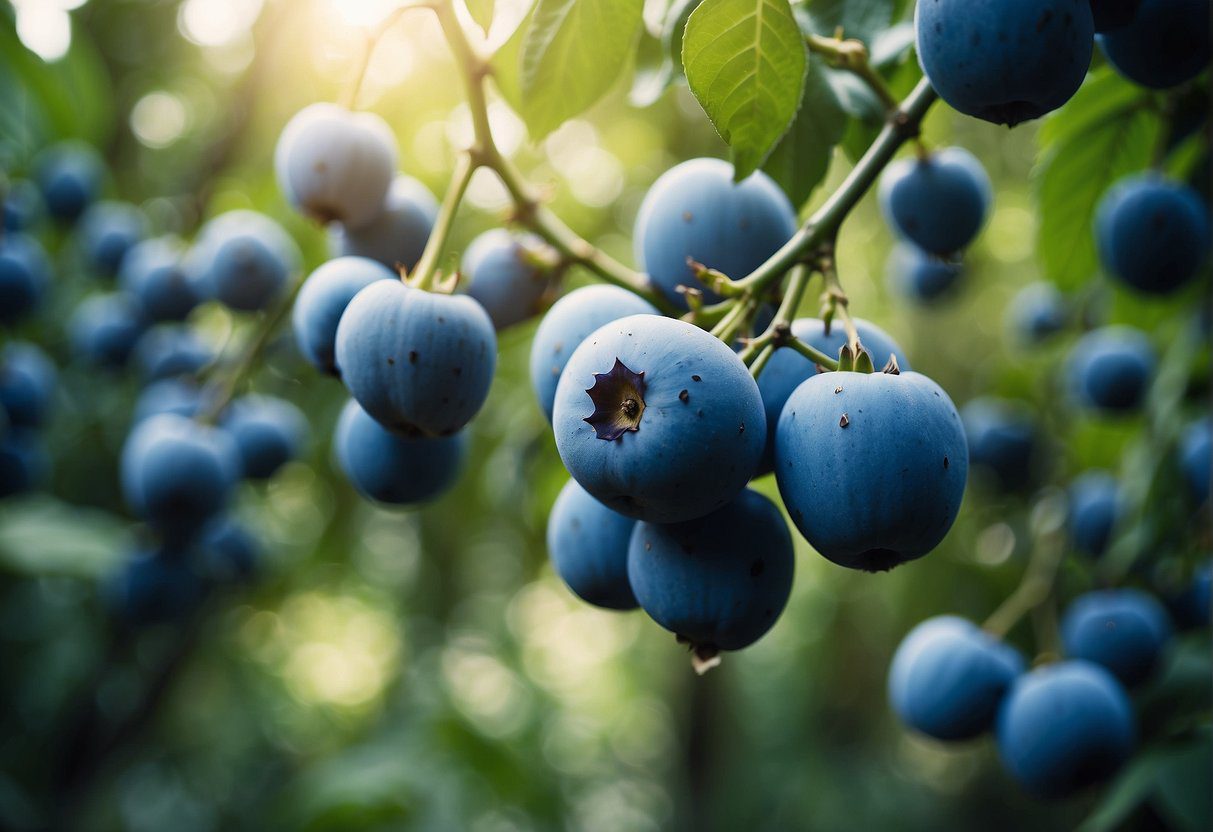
point(837, 390)
point(1043, 21)
point(458, 371)
point(696, 378)
point(844, 421)
point(391, 361)
point(683, 396)
point(687, 216)
point(945, 463)
point(413, 356)
point(741, 428)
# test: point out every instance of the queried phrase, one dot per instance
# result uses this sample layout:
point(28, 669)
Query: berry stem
point(835, 302)
point(1036, 586)
point(779, 332)
point(852, 55)
point(427, 267)
point(349, 96)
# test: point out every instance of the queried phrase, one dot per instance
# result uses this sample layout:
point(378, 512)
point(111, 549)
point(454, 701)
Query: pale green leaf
point(481, 12)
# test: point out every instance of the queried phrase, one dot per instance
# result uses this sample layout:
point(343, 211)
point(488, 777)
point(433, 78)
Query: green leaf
point(481, 12)
point(1104, 96)
point(862, 19)
point(802, 157)
point(745, 62)
point(659, 60)
point(1183, 795)
point(42, 536)
point(573, 52)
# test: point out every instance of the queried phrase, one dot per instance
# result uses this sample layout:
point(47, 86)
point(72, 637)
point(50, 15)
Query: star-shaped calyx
point(618, 397)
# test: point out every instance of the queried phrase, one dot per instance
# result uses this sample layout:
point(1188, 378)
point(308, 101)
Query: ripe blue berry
point(504, 275)
point(69, 175)
point(940, 202)
point(695, 210)
point(1109, 369)
point(24, 276)
point(871, 467)
point(105, 328)
point(230, 553)
point(918, 277)
point(1166, 43)
point(28, 381)
point(24, 462)
point(658, 420)
point(948, 678)
point(322, 301)
point(588, 545)
point(269, 432)
point(171, 395)
point(23, 206)
point(170, 350)
point(1095, 505)
point(1036, 313)
point(1124, 630)
point(1196, 458)
point(1002, 440)
point(154, 588)
point(398, 235)
point(153, 274)
point(107, 232)
point(1192, 607)
point(244, 260)
point(1113, 14)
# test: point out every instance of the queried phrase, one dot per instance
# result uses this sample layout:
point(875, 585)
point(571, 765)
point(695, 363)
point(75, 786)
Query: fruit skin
point(107, 232)
point(720, 581)
point(1005, 61)
point(1002, 439)
point(395, 469)
point(884, 487)
point(153, 588)
point(1095, 505)
point(1064, 726)
point(105, 328)
point(269, 432)
point(322, 301)
point(569, 322)
point(69, 175)
point(1124, 630)
point(919, 277)
point(170, 350)
point(24, 462)
point(1153, 235)
point(687, 457)
point(787, 368)
point(28, 381)
point(398, 235)
point(335, 165)
point(229, 553)
point(938, 203)
point(695, 210)
point(948, 678)
point(1196, 458)
point(416, 361)
point(1166, 44)
point(177, 473)
point(1190, 608)
point(502, 277)
point(1109, 369)
point(1037, 312)
point(170, 395)
point(25, 276)
point(1113, 14)
point(588, 545)
point(244, 260)
point(23, 206)
point(153, 274)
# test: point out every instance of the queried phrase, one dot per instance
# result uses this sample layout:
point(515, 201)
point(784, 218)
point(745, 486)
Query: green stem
point(1034, 588)
point(760, 363)
point(835, 302)
point(427, 267)
point(349, 97)
point(852, 56)
point(779, 332)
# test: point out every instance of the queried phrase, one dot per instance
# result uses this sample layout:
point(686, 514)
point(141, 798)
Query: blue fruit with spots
point(1037, 312)
point(1065, 726)
point(948, 678)
point(1113, 14)
point(418, 362)
point(154, 588)
point(695, 210)
point(1124, 630)
point(28, 381)
point(588, 545)
point(871, 467)
point(658, 420)
point(105, 328)
point(69, 175)
point(1110, 369)
point(25, 276)
point(322, 301)
point(1153, 235)
point(1005, 61)
point(229, 552)
point(152, 273)
point(1095, 506)
point(23, 206)
point(940, 202)
point(108, 230)
point(921, 278)
point(1166, 43)
point(569, 322)
point(244, 260)
point(391, 468)
point(718, 582)
point(505, 275)
point(177, 474)
point(24, 462)
point(397, 237)
point(1002, 440)
point(170, 350)
point(171, 395)
point(269, 432)
point(1196, 458)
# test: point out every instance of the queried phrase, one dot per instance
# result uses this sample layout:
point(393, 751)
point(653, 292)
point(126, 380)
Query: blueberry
point(23, 206)
point(153, 274)
point(108, 230)
point(1153, 235)
point(1037, 312)
point(323, 299)
point(28, 381)
point(391, 468)
point(920, 277)
point(170, 350)
point(1191, 606)
point(398, 235)
point(1065, 726)
point(569, 322)
point(171, 395)
point(1109, 369)
point(948, 678)
point(1166, 44)
point(69, 175)
point(696, 210)
point(940, 202)
point(588, 545)
point(1095, 506)
point(177, 474)
point(105, 328)
point(871, 467)
point(244, 260)
point(1005, 61)
point(230, 553)
point(1124, 630)
point(153, 588)
point(24, 462)
point(1002, 440)
point(335, 165)
point(1113, 14)
point(1196, 457)
point(24, 276)
point(416, 361)
point(504, 276)
point(658, 419)
point(718, 582)
point(269, 433)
